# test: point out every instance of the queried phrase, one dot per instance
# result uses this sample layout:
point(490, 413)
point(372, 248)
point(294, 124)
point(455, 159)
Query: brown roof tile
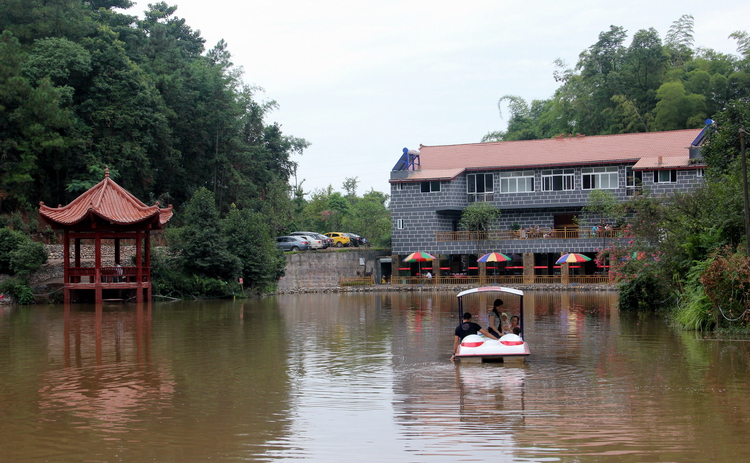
point(109, 201)
point(448, 161)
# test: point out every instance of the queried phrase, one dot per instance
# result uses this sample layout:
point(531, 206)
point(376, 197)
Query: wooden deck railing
point(496, 235)
point(497, 280)
point(356, 281)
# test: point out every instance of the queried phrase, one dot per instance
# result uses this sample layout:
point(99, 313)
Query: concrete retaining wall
point(322, 269)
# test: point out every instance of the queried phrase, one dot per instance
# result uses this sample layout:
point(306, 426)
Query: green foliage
point(249, 238)
point(10, 240)
point(645, 86)
point(695, 311)
point(27, 258)
point(19, 290)
point(83, 86)
point(479, 216)
point(200, 245)
point(726, 282)
point(723, 147)
point(642, 293)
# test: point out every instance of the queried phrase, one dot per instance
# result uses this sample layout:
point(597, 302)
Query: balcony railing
point(498, 280)
point(548, 233)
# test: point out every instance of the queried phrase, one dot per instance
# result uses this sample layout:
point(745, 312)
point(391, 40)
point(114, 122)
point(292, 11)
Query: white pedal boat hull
point(510, 347)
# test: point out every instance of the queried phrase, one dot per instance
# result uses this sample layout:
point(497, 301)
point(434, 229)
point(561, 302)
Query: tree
point(200, 244)
point(478, 218)
point(249, 238)
point(723, 144)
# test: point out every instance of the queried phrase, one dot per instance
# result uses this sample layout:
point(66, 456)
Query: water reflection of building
point(106, 377)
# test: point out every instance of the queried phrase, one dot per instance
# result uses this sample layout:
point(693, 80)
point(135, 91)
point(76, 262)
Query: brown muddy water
point(365, 378)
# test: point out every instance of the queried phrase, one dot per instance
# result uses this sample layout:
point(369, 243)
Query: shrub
point(9, 241)
point(18, 288)
point(642, 293)
point(27, 258)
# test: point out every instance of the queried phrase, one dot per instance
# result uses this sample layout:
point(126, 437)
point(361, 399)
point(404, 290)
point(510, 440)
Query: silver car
point(292, 243)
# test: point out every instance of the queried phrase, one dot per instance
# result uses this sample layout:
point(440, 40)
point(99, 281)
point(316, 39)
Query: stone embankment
point(433, 288)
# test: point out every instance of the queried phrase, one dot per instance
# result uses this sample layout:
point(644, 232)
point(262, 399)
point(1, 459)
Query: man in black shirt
point(466, 328)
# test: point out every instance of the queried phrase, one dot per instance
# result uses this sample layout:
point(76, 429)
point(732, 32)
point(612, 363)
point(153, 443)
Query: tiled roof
point(643, 149)
point(109, 201)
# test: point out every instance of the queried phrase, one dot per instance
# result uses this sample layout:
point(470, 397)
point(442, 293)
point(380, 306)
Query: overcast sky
point(361, 80)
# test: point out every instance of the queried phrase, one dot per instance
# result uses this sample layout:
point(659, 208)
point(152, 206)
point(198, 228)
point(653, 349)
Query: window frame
point(515, 177)
point(429, 186)
point(488, 187)
point(671, 172)
point(567, 179)
point(591, 177)
point(399, 224)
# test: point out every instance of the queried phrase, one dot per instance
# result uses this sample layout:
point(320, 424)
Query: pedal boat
point(477, 348)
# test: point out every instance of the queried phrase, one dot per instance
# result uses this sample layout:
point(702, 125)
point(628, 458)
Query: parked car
point(292, 243)
point(327, 242)
point(356, 240)
point(339, 239)
point(315, 243)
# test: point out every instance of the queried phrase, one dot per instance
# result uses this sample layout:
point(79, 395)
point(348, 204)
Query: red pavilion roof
point(110, 202)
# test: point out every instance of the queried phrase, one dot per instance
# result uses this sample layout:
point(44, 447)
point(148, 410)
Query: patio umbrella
point(571, 258)
point(419, 256)
point(494, 257)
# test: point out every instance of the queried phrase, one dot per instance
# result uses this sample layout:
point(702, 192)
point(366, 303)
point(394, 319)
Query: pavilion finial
point(106, 171)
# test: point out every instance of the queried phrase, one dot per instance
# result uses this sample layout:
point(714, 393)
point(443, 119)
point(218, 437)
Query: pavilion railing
point(87, 275)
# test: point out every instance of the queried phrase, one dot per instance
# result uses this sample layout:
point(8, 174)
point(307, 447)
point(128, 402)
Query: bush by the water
point(641, 293)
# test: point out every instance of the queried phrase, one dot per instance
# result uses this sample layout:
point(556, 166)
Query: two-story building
point(540, 187)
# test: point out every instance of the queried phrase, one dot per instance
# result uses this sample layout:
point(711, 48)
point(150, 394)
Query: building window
point(400, 224)
point(633, 181)
point(480, 187)
point(558, 180)
point(517, 182)
point(399, 186)
point(665, 176)
point(700, 173)
point(599, 178)
point(431, 187)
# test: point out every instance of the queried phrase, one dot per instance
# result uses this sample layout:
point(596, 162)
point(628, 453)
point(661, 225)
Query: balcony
point(523, 234)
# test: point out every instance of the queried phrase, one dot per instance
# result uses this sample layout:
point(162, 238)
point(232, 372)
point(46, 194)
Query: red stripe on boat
point(511, 343)
point(472, 344)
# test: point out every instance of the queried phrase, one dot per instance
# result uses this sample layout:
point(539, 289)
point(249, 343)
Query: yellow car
point(339, 239)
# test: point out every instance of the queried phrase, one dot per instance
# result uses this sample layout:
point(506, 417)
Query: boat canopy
point(482, 289)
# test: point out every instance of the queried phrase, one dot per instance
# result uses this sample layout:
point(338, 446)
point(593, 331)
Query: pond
point(364, 376)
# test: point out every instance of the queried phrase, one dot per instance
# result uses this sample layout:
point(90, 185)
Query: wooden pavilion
point(107, 214)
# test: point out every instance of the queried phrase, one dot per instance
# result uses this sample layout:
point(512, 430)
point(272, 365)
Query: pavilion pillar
point(98, 267)
point(147, 250)
point(66, 268)
point(139, 266)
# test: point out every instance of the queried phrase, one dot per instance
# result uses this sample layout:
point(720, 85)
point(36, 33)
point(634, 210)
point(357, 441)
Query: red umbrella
point(419, 256)
point(494, 257)
point(572, 257)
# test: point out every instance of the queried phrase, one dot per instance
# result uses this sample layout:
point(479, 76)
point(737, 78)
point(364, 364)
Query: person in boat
point(466, 328)
point(498, 321)
point(514, 323)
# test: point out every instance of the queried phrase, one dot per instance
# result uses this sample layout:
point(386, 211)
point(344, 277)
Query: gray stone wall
point(423, 214)
point(309, 270)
